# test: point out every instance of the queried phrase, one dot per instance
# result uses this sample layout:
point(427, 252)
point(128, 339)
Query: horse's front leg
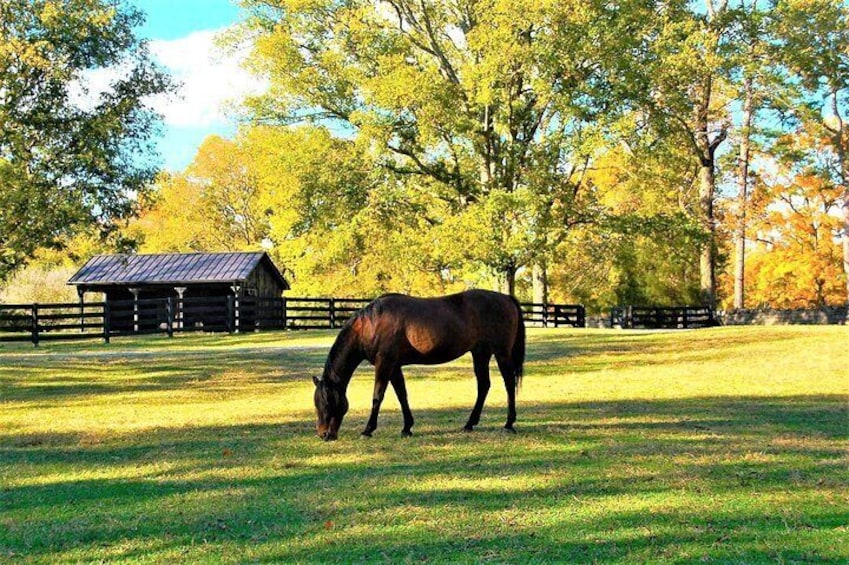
point(401, 392)
point(382, 375)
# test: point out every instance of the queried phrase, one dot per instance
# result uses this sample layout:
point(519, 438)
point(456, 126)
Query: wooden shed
point(185, 277)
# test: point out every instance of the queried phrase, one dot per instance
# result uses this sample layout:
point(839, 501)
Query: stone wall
point(766, 317)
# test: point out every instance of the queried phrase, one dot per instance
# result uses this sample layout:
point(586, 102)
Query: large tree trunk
point(707, 257)
point(707, 188)
point(840, 145)
point(540, 284)
point(846, 241)
point(743, 180)
point(506, 281)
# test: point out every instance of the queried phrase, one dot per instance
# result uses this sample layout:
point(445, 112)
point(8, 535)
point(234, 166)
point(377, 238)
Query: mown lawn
point(728, 445)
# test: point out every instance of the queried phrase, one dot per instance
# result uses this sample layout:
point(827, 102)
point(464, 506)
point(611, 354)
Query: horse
point(396, 330)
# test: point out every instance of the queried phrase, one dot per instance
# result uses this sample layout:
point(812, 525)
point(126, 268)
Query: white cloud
point(209, 80)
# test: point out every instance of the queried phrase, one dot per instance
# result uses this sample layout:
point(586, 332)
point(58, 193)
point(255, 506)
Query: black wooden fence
point(41, 322)
point(658, 317)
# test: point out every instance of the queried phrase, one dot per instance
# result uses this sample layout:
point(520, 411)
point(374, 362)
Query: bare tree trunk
point(707, 257)
point(846, 240)
point(707, 187)
point(743, 180)
point(840, 144)
point(540, 284)
point(506, 281)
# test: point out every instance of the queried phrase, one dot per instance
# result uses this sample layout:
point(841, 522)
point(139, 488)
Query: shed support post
point(178, 313)
point(135, 292)
point(236, 288)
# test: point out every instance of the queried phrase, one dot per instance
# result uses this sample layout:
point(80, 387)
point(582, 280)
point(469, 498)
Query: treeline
point(594, 152)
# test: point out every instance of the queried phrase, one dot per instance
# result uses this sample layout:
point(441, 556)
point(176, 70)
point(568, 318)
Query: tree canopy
point(594, 152)
point(71, 158)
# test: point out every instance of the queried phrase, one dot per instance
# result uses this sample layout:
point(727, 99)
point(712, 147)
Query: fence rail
point(657, 317)
point(40, 322)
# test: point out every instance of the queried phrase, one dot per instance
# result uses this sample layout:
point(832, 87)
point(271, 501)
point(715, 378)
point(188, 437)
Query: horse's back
point(436, 330)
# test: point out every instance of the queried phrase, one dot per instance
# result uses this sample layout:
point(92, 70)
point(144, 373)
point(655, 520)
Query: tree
point(813, 35)
point(226, 172)
point(753, 67)
point(687, 98)
point(173, 218)
point(490, 101)
point(643, 247)
point(799, 263)
point(214, 205)
point(795, 261)
point(70, 159)
point(340, 225)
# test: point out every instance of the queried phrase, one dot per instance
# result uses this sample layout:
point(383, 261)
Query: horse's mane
point(344, 345)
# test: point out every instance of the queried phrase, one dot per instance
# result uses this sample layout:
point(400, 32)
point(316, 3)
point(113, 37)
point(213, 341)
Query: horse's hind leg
point(401, 392)
point(508, 371)
point(481, 356)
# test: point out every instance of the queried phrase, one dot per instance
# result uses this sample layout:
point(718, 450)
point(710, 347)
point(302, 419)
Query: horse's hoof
point(406, 433)
point(468, 429)
point(365, 434)
point(509, 430)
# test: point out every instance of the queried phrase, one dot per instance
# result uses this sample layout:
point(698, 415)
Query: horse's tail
point(517, 355)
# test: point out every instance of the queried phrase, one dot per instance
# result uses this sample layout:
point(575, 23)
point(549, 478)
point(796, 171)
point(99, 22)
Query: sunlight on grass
point(722, 445)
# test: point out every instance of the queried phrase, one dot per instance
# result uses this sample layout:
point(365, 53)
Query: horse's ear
point(316, 380)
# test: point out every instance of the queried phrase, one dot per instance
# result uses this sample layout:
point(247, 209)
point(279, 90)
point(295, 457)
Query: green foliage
point(426, 147)
point(482, 99)
point(70, 159)
point(39, 283)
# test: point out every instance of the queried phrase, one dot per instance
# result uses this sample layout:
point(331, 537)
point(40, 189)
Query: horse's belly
point(426, 348)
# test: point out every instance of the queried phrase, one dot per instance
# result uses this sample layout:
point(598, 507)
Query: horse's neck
point(345, 356)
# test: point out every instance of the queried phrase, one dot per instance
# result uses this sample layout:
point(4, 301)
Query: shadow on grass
point(56, 378)
point(581, 351)
point(722, 479)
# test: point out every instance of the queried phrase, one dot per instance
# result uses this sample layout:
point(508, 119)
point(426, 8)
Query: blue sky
point(182, 38)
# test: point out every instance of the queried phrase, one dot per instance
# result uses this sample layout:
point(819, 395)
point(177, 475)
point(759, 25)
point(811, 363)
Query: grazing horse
point(396, 330)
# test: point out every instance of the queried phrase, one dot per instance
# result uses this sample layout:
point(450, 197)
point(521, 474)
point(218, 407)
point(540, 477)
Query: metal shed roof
point(173, 268)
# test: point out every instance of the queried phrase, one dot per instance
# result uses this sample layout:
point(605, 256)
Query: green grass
point(724, 446)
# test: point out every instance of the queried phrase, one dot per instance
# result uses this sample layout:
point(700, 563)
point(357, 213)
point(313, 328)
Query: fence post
point(332, 313)
point(285, 312)
point(35, 324)
point(107, 326)
point(684, 317)
point(582, 316)
point(545, 314)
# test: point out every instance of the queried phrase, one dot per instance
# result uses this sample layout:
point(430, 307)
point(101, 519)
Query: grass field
point(728, 445)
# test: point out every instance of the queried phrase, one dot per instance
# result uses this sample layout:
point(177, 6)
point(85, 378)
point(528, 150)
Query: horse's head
point(330, 406)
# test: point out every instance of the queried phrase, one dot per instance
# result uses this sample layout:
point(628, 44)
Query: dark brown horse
point(396, 330)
